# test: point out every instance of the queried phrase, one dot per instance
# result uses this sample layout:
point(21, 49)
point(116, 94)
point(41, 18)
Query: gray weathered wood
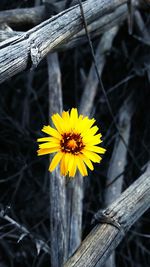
point(95, 29)
point(34, 45)
point(117, 164)
point(35, 15)
point(74, 213)
point(125, 211)
point(90, 89)
point(25, 16)
point(57, 182)
point(141, 27)
point(118, 159)
point(75, 187)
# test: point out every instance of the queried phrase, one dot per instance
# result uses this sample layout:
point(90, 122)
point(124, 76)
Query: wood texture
point(125, 211)
point(117, 163)
point(90, 89)
point(74, 213)
point(19, 53)
point(95, 29)
point(57, 182)
point(118, 159)
point(23, 16)
point(75, 187)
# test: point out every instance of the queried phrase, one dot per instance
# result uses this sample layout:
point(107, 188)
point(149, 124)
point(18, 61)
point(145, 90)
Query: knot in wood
point(34, 54)
point(103, 217)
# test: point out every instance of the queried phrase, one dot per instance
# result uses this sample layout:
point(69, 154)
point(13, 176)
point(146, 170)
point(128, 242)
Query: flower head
point(74, 140)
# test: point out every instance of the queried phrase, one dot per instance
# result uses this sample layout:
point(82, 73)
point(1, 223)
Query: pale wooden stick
point(57, 182)
point(90, 89)
point(123, 213)
point(117, 164)
point(19, 16)
point(18, 53)
point(95, 29)
point(75, 187)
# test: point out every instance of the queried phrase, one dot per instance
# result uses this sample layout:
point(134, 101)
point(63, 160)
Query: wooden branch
point(57, 182)
point(74, 213)
point(19, 53)
point(23, 16)
point(6, 32)
point(117, 163)
point(141, 27)
point(33, 15)
point(75, 187)
point(95, 29)
point(124, 212)
point(118, 159)
point(90, 89)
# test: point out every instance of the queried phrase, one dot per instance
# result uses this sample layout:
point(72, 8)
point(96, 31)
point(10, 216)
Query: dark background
point(24, 179)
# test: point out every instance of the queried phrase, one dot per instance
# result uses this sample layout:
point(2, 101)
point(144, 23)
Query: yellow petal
point(47, 151)
point(92, 156)
point(55, 161)
point(87, 161)
point(48, 139)
point(51, 131)
point(91, 131)
point(66, 119)
point(96, 149)
point(67, 159)
point(73, 117)
point(84, 125)
point(49, 145)
point(72, 172)
point(63, 165)
point(81, 166)
point(94, 140)
point(72, 166)
point(70, 162)
point(65, 115)
point(58, 122)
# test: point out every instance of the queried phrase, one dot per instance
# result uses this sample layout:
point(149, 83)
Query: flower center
point(71, 143)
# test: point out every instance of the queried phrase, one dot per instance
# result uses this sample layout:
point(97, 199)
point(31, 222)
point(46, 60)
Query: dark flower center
point(71, 143)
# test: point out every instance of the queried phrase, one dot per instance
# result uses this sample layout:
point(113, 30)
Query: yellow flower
point(74, 140)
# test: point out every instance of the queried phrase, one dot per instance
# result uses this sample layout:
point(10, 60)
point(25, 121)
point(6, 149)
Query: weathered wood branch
point(91, 85)
point(75, 187)
point(74, 213)
point(35, 15)
point(19, 53)
point(118, 159)
point(124, 212)
point(25, 16)
point(95, 29)
point(115, 174)
point(57, 182)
